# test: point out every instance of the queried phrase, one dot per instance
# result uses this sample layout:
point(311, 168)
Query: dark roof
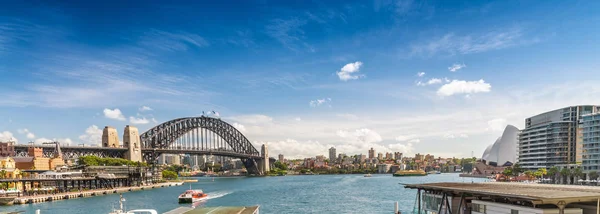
point(536, 193)
point(23, 159)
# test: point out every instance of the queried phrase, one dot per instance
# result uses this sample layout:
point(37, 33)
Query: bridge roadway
point(77, 151)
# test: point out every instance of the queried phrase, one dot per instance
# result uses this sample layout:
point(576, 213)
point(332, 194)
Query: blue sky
point(439, 77)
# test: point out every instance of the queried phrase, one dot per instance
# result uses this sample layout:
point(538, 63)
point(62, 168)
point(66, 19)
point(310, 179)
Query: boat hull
point(7, 201)
point(190, 200)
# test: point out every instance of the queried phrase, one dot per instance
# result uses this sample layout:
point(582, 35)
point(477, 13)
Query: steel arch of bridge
point(161, 137)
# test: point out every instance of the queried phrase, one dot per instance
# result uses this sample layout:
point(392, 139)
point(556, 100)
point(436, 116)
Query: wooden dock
point(88, 193)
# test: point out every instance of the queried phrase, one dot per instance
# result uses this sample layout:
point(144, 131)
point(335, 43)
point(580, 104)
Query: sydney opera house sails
point(504, 149)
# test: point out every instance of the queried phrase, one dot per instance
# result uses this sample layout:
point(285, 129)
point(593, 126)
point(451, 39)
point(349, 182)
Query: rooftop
point(536, 193)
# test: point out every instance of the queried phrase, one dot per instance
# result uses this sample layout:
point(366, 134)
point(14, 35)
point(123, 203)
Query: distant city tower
point(371, 153)
point(131, 140)
point(110, 137)
point(332, 155)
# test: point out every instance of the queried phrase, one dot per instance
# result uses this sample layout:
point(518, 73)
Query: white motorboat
point(121, 210)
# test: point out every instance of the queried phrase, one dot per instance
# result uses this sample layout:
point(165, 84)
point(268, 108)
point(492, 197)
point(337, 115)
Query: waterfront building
point(332, 155)
point(131, 140)
point(362, 158)
point(550, 138)
point(280, 158)
point(379, 156)
point(398, 155)
point(591, 142)
point(371, 153)
point(504, 149)
point(389, 156)
point(110, 137)
point(320, 157)
point(7, 149)
point(383, 168)
point(419, 157)
point(37, 161)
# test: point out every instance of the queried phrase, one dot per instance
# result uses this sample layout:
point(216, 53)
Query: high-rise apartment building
point(389, 156)
point(379, 156)
point(332, 155)
point(550, 138)
point(398, 155)
point(590, 128)
point(371, 153)
point(281, 158)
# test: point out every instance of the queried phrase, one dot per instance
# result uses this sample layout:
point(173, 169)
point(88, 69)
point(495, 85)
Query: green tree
point(516, 169)
point(3, 173)
point(169, 175)
point(508, 172)
point(565, 173)
point(280, 165)
point(553, 171)
point(529, 174)
point(593, 175)
point(542, 172)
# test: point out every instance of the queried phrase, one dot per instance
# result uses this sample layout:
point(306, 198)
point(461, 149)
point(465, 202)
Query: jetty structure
point(498, 197)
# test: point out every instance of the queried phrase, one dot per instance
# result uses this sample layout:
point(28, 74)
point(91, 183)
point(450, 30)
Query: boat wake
point(211, 195)
point(214, 195)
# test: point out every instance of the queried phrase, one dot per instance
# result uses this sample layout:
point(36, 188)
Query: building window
point(514, 212)
point(479, 208)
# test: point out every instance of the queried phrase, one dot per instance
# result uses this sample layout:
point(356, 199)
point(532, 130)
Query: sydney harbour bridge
point(191, 135)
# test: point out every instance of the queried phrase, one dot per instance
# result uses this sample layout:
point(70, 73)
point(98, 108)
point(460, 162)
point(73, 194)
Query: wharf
point(216, 210)
point(500, 197)
point(88, 193)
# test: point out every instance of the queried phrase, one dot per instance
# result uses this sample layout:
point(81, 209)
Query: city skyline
point(442, 78)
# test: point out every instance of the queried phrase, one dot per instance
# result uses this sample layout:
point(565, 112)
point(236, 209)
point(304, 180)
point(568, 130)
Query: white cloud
point(452, 136)
point(145, 108)
point(455, 67)
point(154, 121)
point(432, 81)
point(406, 149)
point(415, 140)
point(403, 138)
point(420, 74)
point(27, 133)
point(497, 124)
point(475, 43)
point(298, 119)
point(92, 136)
point(64, 141)
point(464, 87)
point(239, 127)
point(43, 140)
point(114, 114)
point(360, 136)
point(138, 121)
point(319, 102)
point(7, 136)
point(346, 73)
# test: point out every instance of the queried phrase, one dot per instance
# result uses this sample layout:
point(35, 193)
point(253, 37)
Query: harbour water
point(281, 194)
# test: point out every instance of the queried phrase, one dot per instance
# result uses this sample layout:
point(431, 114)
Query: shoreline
point(87, 193)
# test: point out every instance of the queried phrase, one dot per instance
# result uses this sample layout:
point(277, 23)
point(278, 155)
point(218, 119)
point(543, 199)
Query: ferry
point(121, 210)
point(367, 175)
point(434, 172)
point(402, 173)
point(191, 196)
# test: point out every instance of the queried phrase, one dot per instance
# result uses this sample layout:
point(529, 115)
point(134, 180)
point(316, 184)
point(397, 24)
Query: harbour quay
point(499, 197)
point(88, 193)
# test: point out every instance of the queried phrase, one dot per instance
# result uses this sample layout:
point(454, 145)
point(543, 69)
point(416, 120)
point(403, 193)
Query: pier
point(498, 197)
point(88, 193)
